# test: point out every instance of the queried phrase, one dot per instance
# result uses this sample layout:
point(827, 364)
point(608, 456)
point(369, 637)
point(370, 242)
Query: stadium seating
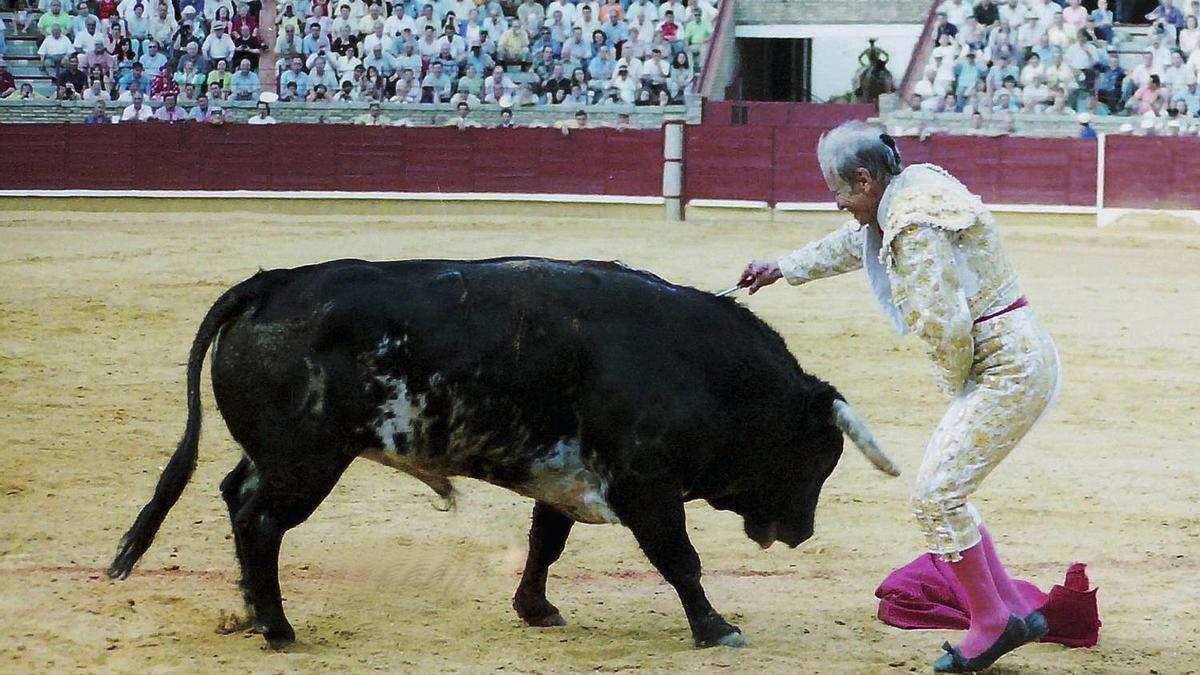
point(357, 53)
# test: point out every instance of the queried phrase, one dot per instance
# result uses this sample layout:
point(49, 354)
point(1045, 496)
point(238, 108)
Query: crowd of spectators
point(194, 54)
point(512, 53)
point(122, 55)
point(1036, 56)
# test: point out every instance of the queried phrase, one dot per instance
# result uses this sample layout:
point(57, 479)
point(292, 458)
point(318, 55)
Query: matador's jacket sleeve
point(837, 252)
point(920, 234)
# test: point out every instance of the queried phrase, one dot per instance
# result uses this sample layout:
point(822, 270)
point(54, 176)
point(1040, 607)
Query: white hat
point(1148, 123)
point(1084, 118)
point(189, 10)
point(1126, 128)
point(505, 101)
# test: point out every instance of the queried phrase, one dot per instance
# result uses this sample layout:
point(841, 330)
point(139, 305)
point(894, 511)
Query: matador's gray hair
point(854, 145)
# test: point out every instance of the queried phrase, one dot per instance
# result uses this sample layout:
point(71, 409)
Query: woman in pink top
point(1075, 15)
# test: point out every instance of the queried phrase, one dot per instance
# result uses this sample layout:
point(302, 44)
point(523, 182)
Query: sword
point(728, 291)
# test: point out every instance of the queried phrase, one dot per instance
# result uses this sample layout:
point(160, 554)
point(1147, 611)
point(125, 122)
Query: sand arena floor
point(97, 312)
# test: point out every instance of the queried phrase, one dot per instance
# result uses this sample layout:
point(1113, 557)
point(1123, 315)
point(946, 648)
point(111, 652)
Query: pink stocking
point(1004, 585)
point(989, 613)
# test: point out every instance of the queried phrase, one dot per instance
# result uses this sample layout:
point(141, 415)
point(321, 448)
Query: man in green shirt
point(696, 32)
point(55, 17)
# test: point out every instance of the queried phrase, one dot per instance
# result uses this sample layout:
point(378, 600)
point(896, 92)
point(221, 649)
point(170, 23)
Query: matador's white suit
point(939, 270)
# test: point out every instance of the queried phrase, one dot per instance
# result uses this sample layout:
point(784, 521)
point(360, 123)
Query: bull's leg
point(655, 515)
point(235, 489)
point(547, 537)
point(274, 506)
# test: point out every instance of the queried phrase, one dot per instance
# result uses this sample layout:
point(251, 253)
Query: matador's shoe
point(1014, 635)
point(1036, 627)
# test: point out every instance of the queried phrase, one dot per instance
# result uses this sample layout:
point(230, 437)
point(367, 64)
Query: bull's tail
point(183, 463)
point(842, 416)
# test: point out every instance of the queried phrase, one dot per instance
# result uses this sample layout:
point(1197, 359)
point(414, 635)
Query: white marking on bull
point(398, 413)
point(562, 480)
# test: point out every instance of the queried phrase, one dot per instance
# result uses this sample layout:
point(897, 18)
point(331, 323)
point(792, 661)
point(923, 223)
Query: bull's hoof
point(537, 612)
point(279, 638)
point(549, 621)
point(734, 640)
point(720, 634)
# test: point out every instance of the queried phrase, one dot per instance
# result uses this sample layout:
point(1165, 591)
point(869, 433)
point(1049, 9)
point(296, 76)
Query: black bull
point(604, 393)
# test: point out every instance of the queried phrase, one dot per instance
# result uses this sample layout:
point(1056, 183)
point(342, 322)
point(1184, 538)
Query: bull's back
point(530, 347)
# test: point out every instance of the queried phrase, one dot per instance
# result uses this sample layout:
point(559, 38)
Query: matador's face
point(860, 197)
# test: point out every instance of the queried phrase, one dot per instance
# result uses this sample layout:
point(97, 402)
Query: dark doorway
point(775, 69)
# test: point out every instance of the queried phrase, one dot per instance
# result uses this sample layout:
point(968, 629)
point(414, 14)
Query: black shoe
point(1014, 635)
point(1036, 626)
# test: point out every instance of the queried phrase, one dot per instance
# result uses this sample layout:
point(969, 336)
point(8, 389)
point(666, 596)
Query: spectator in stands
point(943, 27)
point(408, 88)
point(616, 31)
point(99, 113)
point(26, 93)
point(1102, 21)
point(8, 84)
point(98, 57)
point(462, 118)
point(376, 36)
point(470, 83)
point(347, 93)
point(318, 94)
point(506, 119)
point(601, 68)
point(170, 112)
point(1109, 82)
point(164, 84)
point(153, 59)
point(498, 79)
point(218, 117)
point(295, 74)
point(373, 117)
point(71, 76)
point(1036, 95)
point(290, 93)
point(1091, 105)
point(189, 75)
point(95, 91)
point(427, 46)
point(220, 76)
point(622, 88)
point(187, 96)
point(986, 14)
point(287, 45)
point(966, 74)
point(314, 41)
point(398, 22)
point(137, 111)
point(577, 48)
point(1168, 13)
point(263, 115)
point(383, 63)
point(216, 93)
point(697, 33)
point(54, 49)
point(554, 89)
point(1140, 76)
point(136, 74)
point(322, 74)
point(655, 71)
point(1176, 75)
point(580, 121)
point(244, 85)
point(218, 45)
point(585, 20)
point(455, 42)
point(1148, 97)
point(247, 46)
point(55, 17)
point(513, 45)
point(439, 82)
point(88, 35)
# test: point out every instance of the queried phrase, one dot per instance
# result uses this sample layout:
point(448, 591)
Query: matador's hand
point(760, 273)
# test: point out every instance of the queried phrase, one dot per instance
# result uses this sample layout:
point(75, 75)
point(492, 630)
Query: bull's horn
point(843, 417)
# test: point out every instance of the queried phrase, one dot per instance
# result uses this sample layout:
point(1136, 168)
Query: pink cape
point(925, 594)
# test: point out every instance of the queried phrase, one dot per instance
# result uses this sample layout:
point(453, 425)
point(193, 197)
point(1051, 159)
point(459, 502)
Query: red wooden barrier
point(1152, 173)
point(331, 158)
